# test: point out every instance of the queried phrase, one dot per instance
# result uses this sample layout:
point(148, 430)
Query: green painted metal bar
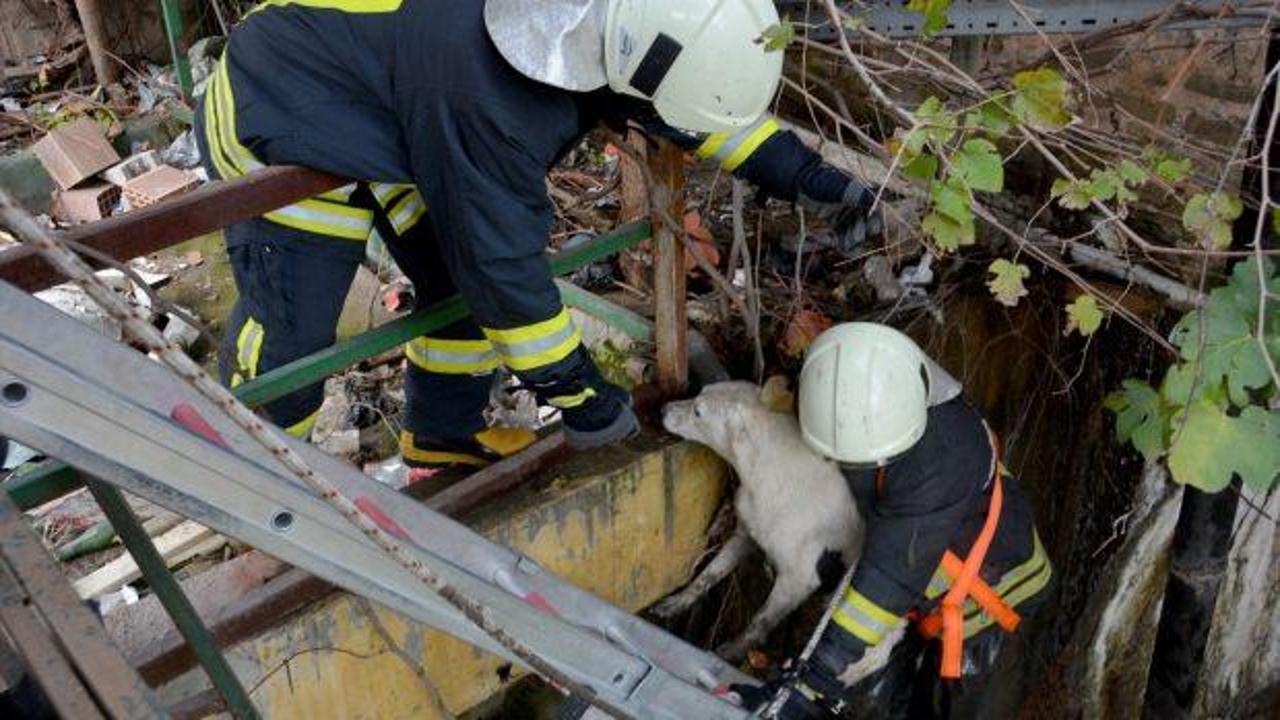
point(34, 486)
point(314, 368)
point(172, 13)
point(175, 603)
point(52, 480)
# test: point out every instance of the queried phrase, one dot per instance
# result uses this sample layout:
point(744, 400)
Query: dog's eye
point(697, 410)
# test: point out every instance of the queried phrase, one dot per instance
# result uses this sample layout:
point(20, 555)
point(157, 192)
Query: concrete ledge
point(627, 524)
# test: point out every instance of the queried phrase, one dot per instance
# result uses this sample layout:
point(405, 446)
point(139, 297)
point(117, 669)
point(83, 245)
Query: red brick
point(85, 204)
point(158, 184)
point(74, 152)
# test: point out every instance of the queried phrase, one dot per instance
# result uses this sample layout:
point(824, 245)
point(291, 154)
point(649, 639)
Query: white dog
point(792, 502)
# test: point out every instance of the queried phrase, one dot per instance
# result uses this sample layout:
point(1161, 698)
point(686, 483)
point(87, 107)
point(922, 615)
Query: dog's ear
point(776, 396)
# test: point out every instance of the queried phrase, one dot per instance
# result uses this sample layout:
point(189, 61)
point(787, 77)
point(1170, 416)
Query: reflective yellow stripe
point(537, 345)
point(385, 193)
point(240, 156)
point(452, 357)
point(350, 6)
point(711, 146)
point(436, 457)
point(325, 218)
point(864, 619)
point(325, 215)
point(566, 402)
point(249, 349)
point(303, 429)
point(733, 149)
point(407, 212)
point(342, 194)
point(751, 144)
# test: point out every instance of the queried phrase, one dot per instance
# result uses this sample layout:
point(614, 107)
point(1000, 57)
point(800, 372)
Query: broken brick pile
point(91, 177)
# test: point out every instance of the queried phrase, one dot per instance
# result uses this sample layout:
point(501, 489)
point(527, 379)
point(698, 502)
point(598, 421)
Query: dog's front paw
point(675, 605)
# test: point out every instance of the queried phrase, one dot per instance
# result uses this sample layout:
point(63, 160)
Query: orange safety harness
point(948, 619)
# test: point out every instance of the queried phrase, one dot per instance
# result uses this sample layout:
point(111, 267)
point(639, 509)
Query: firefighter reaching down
point(951, 561)
point(447, 116)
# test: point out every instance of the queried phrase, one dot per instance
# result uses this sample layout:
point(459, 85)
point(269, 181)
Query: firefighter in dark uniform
point(447, 116)
point(951, 563)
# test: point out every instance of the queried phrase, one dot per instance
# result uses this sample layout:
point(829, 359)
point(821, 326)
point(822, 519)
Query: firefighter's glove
point(844, 205)
point(604, 418)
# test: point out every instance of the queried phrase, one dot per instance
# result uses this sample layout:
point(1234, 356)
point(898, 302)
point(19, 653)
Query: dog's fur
point(792, 502)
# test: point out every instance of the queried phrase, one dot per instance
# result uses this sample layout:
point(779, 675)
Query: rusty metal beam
point(154, 228)
point(235, 606)
point(666, 165)
point(77, 634)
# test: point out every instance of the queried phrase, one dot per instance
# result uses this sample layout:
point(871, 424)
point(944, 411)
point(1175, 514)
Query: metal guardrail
point(999, 17)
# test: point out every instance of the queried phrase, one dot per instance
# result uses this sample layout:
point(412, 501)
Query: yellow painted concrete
point(629, 530)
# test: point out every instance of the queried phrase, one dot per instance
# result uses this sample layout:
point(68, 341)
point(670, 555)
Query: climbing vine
point(1214, 416)
point(1211, 416)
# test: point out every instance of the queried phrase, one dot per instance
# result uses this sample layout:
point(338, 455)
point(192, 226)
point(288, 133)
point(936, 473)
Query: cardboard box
point(85, 204)
point(74, 152)
point(155, 185)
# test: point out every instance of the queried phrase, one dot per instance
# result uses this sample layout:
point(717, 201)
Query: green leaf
point(1103, 184)
point(979, 164)
point(1141, 418)
point(991, 117)
point(1174, 171)
point(924, 167)
point(935, 14)
point(953, 199)
point(1226, 348)
point(1040, 100)
point(1131, 172)
point(948, 234)
point(1084, 316)
point(780, 36)
point(1006, 285)
point(1210, 217)
point(1210, 446)
point(855, 23)
point(936, 123)
point(1072, 194)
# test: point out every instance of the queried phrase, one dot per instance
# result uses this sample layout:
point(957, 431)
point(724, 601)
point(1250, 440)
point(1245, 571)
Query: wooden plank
point(76, 629)
point(671, 323)
point(175, 546)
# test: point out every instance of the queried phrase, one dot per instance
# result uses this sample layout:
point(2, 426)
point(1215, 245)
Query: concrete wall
point(626, 525)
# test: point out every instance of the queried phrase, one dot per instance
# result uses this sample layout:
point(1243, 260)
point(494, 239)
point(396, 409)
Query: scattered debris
point(133, 166)
point(157, 184)
point(85, 204)
point(176, 546)
point(73, 153)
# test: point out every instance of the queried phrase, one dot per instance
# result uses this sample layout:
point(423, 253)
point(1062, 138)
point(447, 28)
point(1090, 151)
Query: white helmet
point(865, 393)
point(701, 62)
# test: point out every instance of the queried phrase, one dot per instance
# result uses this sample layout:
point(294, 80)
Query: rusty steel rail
point(151, 229)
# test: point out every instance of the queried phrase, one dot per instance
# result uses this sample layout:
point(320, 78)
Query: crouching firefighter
point(951, 564)
point(448, 115)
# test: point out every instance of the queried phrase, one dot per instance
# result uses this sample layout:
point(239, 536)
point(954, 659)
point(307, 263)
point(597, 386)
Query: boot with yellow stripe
point(447, 460)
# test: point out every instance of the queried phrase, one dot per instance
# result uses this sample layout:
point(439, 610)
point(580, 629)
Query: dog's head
point(727, 413)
